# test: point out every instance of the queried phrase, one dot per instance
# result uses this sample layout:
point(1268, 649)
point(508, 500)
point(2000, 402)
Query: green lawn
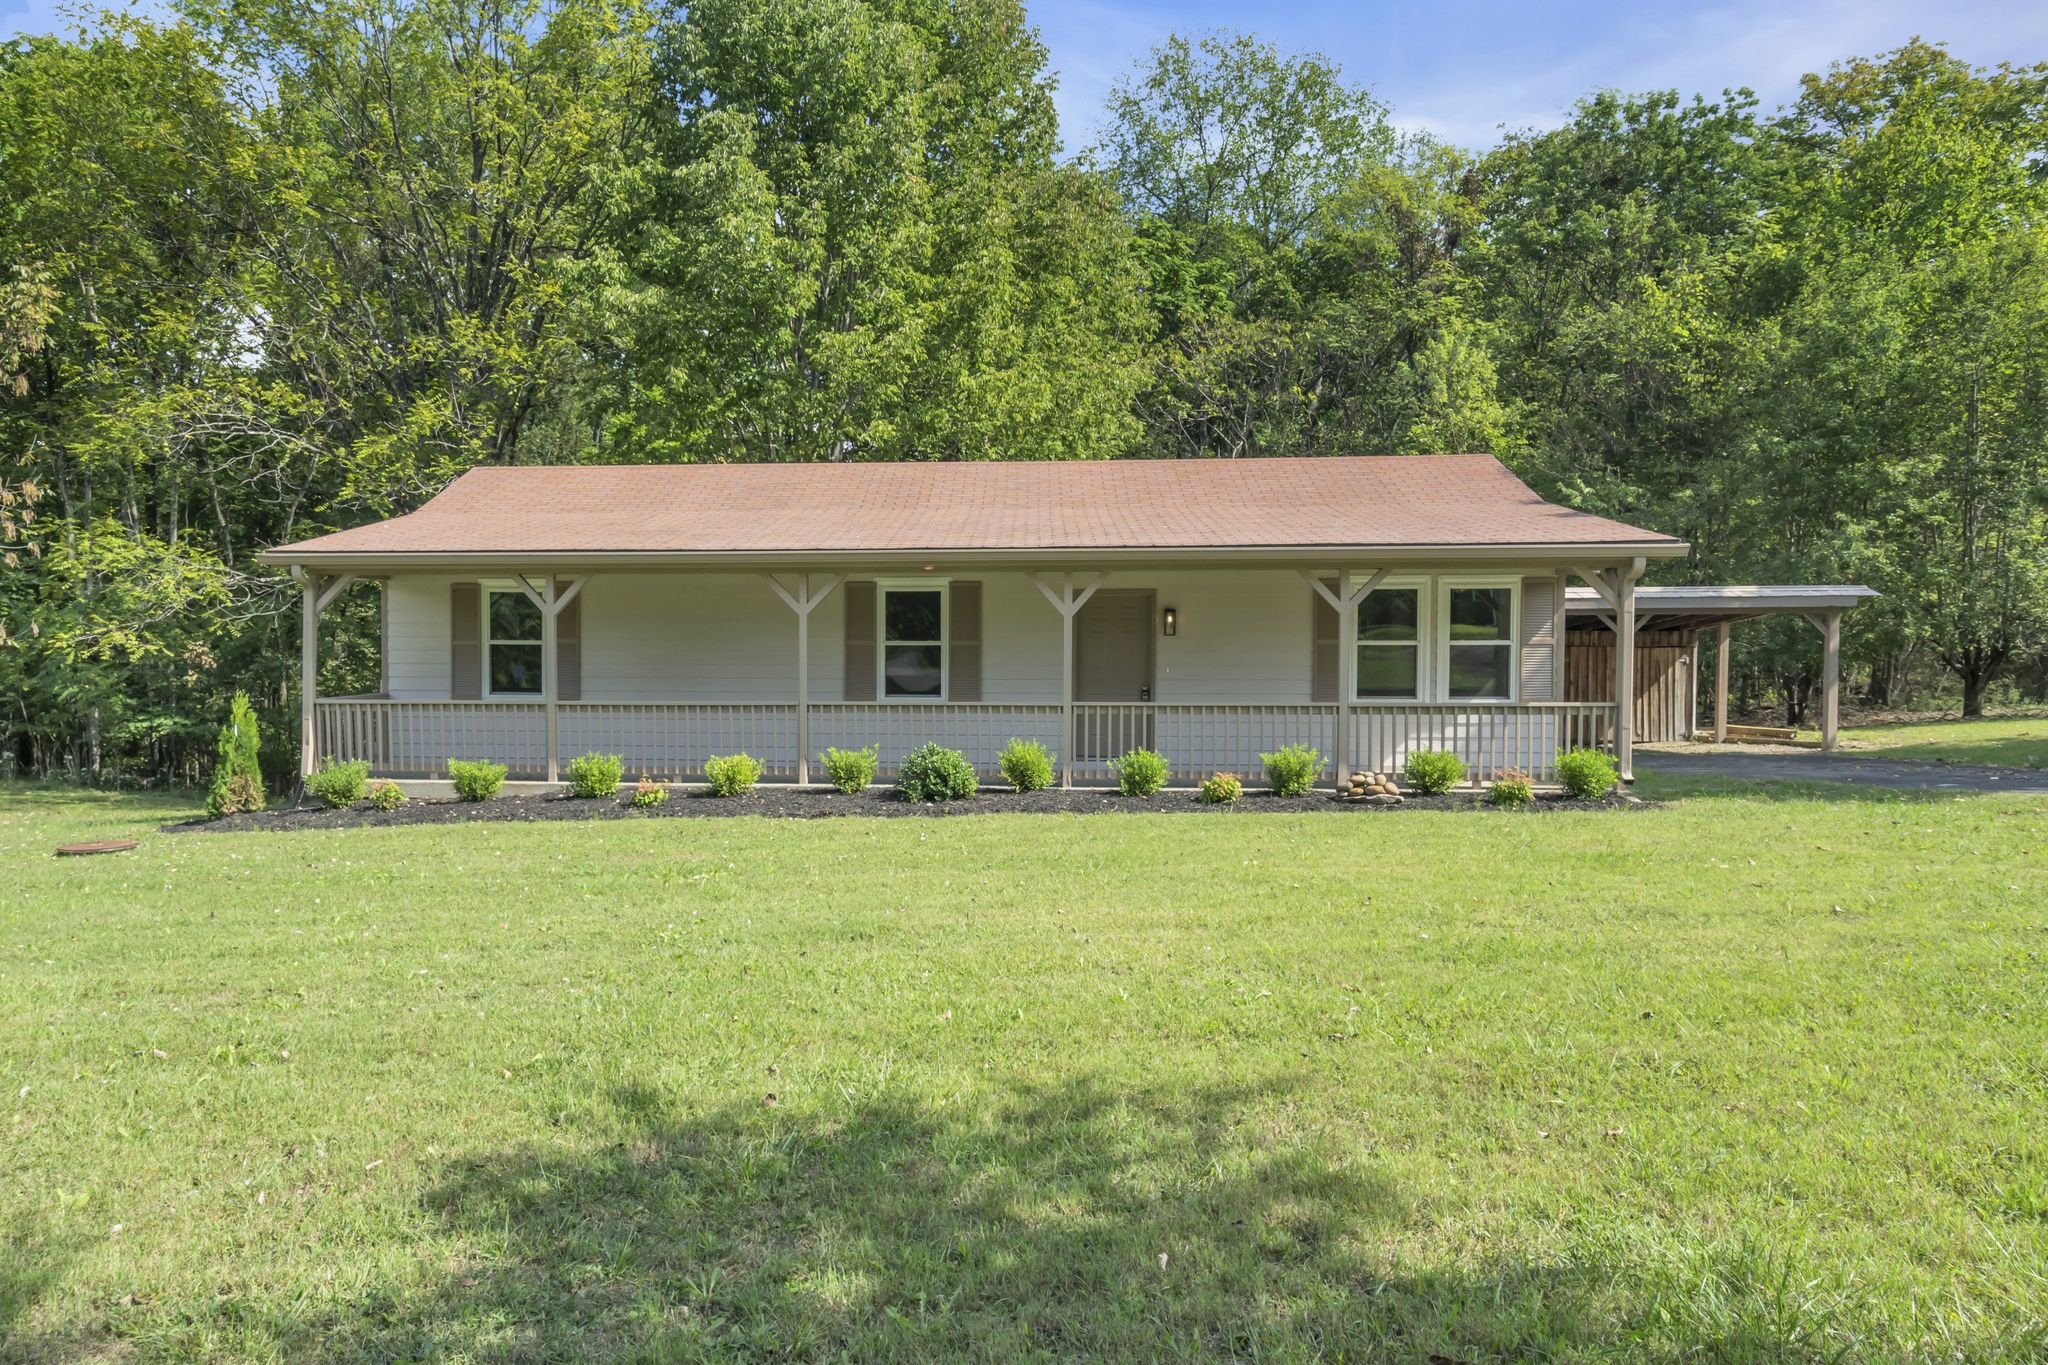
point(1743, 1077)
point(2016, 741)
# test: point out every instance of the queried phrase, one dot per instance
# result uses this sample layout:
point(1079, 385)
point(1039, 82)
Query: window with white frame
point(913, 633)
point(1390, 644)
point(512, 643)
point(1479, 649)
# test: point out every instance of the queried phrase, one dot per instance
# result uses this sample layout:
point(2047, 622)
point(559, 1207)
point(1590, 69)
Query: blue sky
point(1464, 69)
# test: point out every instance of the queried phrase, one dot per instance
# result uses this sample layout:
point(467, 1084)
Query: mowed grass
point(1755, 1077)
point(2014, 741)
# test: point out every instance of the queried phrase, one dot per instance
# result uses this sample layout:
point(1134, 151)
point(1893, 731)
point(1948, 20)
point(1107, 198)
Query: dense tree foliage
point(272, 268)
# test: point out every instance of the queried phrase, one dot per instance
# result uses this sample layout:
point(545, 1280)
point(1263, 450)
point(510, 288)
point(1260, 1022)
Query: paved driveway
point(1748, 765)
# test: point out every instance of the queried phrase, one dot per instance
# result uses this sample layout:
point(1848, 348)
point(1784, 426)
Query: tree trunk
point(1973, 691)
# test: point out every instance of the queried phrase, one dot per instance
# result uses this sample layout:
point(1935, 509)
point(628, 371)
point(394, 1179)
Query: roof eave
point(1546, 552)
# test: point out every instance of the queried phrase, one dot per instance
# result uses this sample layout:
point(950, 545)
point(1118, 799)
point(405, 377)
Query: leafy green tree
point(852, 241)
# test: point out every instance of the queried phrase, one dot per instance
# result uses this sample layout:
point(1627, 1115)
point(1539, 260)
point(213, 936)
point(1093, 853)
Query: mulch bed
point(790, 803)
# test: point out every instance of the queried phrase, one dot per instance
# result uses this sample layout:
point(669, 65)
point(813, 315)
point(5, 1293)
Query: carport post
point(1721, 683)
point(1831, 678)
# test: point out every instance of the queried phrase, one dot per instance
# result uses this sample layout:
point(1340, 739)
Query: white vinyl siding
point(1244, 636)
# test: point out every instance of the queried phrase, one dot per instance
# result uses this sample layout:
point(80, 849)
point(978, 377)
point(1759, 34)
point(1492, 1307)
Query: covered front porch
point(1209, 666)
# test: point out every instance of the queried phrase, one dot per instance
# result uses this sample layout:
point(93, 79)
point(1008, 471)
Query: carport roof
point(1694, 606)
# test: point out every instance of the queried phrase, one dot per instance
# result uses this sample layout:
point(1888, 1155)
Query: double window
point(1454, 643)
point(512, 644)
point(913, 642)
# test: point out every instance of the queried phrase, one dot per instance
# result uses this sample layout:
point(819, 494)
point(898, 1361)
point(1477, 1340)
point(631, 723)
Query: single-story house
point(1211, 610)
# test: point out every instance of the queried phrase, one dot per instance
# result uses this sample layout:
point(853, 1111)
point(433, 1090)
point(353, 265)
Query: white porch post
point(1721, 683)
point(1625, 674)
point(551, 597)
point(1617, 588)
point(309, 670)
point(550, 685)
point(316, 594)
point(1345, 601)
point(1068, 604)
point(803, 602)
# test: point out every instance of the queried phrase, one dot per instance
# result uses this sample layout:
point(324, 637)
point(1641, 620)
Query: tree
point(852, 241)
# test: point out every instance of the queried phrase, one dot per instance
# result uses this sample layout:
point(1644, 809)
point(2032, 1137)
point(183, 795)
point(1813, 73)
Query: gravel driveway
point(1749, 765)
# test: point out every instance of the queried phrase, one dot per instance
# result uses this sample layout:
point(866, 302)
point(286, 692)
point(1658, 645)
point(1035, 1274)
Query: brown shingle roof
point(1292, 503)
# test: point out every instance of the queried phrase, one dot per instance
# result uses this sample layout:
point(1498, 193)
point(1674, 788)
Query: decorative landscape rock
point(1373, 788)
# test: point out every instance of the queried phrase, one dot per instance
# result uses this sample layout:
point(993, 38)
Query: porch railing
point(671, 740)
point(977, 729)
point(1195, 740)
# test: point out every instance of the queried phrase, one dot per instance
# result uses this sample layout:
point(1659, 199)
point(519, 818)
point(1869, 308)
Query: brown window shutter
point(859, 683)
point(466, 646)
point(1539, 638)
point(569, 647)
point(963, 644)
point(1324, 631)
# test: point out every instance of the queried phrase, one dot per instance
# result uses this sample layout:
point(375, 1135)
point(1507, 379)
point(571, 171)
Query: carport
point(1669, 625)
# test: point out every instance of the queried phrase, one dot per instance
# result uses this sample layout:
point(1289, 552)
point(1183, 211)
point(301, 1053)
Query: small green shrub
point(387, 796)
point(1293, 771)
point(596, 775)
point(1026, 765)
point(732, 775)
point(932, 773)
point(1141, 772)
point(478, 781)
point(1221, 789)
point(1433, 771)
point(1587, 774)
point(339, 785)
point(237, 775)
point(646, 793)
point(851, 770)
point(1511, 787)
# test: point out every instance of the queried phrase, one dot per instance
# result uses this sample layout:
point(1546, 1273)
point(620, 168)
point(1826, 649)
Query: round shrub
point(1026, 765)
point(851, 770)
point(596, 775)
point(1293, 771)
point(1433, 771)
point(1220, 789)
point(479, 781)
point(1511, 787)
point(732, 775)
point(932, 773)
point(647, 793)
point(1587, 774)
point(339, 785)
point(387, 796)
point(1141, 772)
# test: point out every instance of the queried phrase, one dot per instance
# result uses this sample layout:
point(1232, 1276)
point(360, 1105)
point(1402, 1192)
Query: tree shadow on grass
point(1068, 1222)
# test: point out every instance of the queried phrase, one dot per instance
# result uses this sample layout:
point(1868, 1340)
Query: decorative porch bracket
point(1068, 603)
point(802, 602)
point(1617, 588)
point(316, 595)
point(551, 597)
point(1345, 600)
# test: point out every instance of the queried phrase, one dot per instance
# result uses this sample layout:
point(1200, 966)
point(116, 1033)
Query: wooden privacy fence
point(1665, 662)
point(670, 741)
